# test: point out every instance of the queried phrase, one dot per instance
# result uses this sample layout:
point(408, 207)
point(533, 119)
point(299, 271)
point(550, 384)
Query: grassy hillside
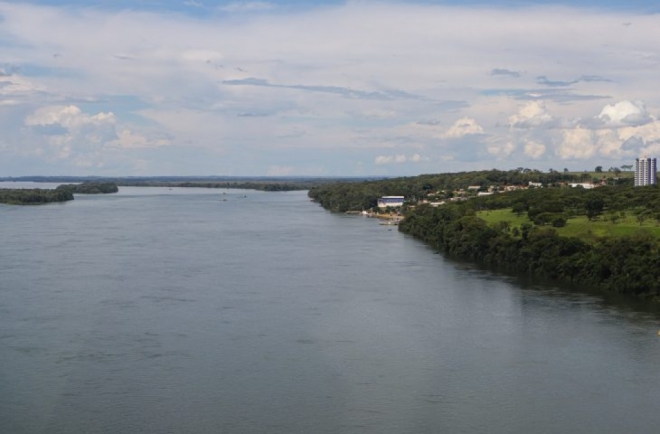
point(580, 226)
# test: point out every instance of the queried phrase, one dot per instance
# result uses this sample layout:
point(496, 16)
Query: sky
point(325, 88)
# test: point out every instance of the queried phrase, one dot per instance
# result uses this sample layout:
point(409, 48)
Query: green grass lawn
point(580, 227)
point(498, 215)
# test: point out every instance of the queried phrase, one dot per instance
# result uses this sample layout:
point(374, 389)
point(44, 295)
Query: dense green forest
point(34, 196)
point(90, 187)
point(624, 264)
point(521, 231)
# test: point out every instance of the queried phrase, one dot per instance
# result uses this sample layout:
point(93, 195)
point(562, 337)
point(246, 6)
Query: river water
point(162, 310)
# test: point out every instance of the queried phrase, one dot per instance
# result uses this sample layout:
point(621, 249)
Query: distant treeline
point(356, 196)
point(90, 188)
point(33, 196)
point(263, 186)
point(627, 264)
point(235, 182)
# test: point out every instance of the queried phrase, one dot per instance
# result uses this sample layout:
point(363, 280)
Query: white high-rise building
point(646, 171)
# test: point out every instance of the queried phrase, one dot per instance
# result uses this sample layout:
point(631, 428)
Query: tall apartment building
point(646, 171)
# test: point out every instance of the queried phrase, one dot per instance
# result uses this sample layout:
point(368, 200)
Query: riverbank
point(386, 218)
point(625, 265)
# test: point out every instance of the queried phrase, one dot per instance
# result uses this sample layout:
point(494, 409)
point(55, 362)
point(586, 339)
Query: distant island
point(63, 193)
point(33, 196)
point(596, 231)
point(90, 188)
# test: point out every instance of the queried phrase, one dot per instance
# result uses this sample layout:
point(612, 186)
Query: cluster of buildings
point(645, 174)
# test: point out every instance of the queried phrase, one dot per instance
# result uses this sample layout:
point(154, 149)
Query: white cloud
point(532, 115)
point(501, 150)
point(577, 143)
point(129, 140)
point(463, 127)
point(69, 117)
point(624, 113)
point(534, 150)
point(384, 159)
point(64, 134)
point(621, 131)
point(649, 132)
point(335, 78)
point(398, 159)
point(16, 90)
point(608, 143)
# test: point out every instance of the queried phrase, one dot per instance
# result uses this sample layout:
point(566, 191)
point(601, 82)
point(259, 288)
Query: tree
point(502, 226)
point(614, 217)
point(594, 206)
point(543, 218)
point(641, 216)
point(518, 208)
point(599, 169)
point(559, 222)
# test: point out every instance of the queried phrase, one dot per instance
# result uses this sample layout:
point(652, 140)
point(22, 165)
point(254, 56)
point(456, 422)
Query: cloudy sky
point(293, 87)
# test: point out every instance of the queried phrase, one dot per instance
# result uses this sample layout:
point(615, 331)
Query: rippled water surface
point(222, 311)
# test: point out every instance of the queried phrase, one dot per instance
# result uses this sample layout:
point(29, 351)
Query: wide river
point(198, 311)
